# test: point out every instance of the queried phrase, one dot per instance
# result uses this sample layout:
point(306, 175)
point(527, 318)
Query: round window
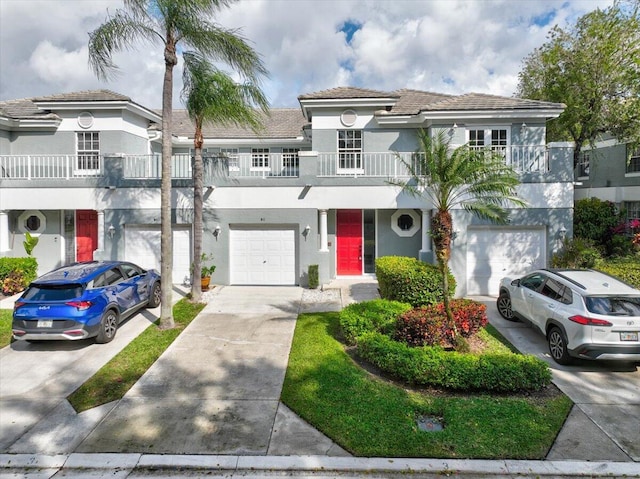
point(33, 222)
point(405, 222)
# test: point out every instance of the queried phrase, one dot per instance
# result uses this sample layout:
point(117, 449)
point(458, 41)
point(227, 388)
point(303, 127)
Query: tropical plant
point(29, 242)
point(479, 181)
point(179, 26)
point(211, 96)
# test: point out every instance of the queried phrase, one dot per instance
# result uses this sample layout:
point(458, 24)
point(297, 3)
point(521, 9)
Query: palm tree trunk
point(198, 200)
point(166, 237)
point(441, 229)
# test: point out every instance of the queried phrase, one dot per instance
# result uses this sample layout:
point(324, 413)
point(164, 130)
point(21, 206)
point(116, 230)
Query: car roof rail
point(558, 272)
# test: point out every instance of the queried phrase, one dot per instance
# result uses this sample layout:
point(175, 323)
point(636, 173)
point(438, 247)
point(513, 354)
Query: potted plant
point(206, 271)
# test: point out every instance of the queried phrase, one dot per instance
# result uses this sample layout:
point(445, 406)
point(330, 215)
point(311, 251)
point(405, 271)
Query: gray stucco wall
point(607, 167)
point(5, 143)
point(49, 249)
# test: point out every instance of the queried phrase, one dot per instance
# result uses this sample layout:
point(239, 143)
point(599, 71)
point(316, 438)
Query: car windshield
point(614, 305)
point(53, 292)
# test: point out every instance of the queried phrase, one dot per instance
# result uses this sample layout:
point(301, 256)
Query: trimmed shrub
point(429, 326)
point(576, 253)
point(17, 273)
point(377, 315)
point(434, 367)
point(409, 280)
point(313, 276)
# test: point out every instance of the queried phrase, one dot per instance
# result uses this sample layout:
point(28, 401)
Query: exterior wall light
point(216, 231)
point(306, 231)
point(562, 232)
point(111, 231)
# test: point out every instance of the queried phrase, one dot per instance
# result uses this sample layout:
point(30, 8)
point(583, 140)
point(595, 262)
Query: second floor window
point(231, 154)
point(290, 158)
point(260, 158)
point(634, 162)
point(583, 164)
point(350, 149)
point(495, 138)
point(88, 149)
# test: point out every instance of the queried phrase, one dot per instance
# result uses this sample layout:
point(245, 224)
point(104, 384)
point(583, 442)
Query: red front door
point(86, 234)
point(349, 242)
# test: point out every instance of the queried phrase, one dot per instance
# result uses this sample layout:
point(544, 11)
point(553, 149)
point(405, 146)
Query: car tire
point(504, 307)
point(558, 346)
point(108, 327)
point(155, 297)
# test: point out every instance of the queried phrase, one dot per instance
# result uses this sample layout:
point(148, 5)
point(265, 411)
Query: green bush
point(434, 367)
point(594, 219)
point(314, 280)
point(628, 269)
point(17, 273)
point(409, 280)
point(576, 253)
point(377, 315)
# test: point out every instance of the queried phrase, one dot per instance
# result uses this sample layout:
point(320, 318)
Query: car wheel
point(558, 346)
point(504, 306)
point(108, 327)
point(155, 296)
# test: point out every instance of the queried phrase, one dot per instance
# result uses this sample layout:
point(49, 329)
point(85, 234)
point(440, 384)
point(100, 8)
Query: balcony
point(133, 168)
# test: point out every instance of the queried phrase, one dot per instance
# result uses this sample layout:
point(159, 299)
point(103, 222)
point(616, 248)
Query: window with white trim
point(583, 164)
point(231, 154)
point(633, 166)
point(349, 149)
point(633, 210)
point(259, 158)
point(88, 150)
point(290, 158)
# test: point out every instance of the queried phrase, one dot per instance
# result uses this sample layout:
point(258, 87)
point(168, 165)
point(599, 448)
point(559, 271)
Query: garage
point(263, 256)
point(493, 253)
point(142, 247)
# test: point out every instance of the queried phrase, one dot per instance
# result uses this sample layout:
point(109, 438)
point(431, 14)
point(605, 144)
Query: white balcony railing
point(45, 167)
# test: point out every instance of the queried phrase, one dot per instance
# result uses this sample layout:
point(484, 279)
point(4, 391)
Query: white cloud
point(449, 46)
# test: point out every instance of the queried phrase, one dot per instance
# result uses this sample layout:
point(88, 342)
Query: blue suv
point(84, 300)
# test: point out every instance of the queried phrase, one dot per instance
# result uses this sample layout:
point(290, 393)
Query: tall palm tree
point(211, 96)
point(172, 24)
point(478, 181)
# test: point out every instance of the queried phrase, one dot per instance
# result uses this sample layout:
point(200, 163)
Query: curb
point(311, 464)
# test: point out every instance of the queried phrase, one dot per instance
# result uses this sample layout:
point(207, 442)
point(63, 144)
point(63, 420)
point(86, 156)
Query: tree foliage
point(177, 26)
point(593, 68)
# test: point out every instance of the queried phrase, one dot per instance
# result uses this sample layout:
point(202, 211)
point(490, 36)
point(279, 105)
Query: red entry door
point(86, 234)
point(349, 242)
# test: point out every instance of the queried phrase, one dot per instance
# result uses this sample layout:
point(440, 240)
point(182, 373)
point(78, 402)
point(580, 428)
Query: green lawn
point(372, 417)
point(116, 377)
point(5, 327)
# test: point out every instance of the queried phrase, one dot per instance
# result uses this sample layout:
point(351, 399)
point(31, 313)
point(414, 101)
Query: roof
point(280, 123)
point(345, 92)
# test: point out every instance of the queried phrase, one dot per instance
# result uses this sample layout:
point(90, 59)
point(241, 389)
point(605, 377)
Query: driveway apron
point(216, 389)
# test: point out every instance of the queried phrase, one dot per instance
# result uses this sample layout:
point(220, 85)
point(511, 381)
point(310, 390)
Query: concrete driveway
point(604, 423)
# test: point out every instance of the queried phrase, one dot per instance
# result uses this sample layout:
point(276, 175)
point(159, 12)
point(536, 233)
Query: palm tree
point(172, 24)
point(478, 181)
point(211, 96)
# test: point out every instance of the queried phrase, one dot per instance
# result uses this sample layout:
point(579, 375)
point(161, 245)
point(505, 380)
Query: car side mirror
point(515, 282)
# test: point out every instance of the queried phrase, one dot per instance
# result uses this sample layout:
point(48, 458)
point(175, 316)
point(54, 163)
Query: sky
point(443, 46)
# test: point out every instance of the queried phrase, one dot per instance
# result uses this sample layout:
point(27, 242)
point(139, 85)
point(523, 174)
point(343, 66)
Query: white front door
point(493, 253)
point(264, 257)
point(142, 247)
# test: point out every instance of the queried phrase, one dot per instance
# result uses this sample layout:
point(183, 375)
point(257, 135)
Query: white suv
point(583, 313)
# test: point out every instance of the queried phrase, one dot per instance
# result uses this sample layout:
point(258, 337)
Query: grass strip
point(116, 377)
point(372, 417)
point(5, 327)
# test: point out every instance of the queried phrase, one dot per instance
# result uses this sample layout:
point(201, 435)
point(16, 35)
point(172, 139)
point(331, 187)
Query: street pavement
point(210, 405)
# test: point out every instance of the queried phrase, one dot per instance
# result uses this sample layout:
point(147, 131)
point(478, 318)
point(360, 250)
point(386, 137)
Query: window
point(131, 270)
point(349, 149)
point(476, 138)
point(533, 281)
point(495, 138)
point(290, 159)
point(634, 162)
point(231, 154)
point(557, 291)
point(88, 150)
point(33, 222)
point(499, 141)
point(583, 164)
point(405, 223)
point(260, 158)
point(633, 210)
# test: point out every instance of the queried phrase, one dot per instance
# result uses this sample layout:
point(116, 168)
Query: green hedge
point(409, 280)
point(627, 269)
point(435, 367)
point(17, 273)
point(375, 315)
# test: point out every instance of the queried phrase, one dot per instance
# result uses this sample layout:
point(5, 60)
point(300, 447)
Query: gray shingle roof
point(346, 92)
point(24, 109)
point(87, 95)
point(281, 123)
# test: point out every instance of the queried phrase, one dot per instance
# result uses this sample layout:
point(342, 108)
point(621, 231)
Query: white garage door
point(142, 247)
point(263, 257)
point(498, 252)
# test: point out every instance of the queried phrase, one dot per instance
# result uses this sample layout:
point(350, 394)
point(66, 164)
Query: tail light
point(589, 321)
point(17, 304)
point(79, 305)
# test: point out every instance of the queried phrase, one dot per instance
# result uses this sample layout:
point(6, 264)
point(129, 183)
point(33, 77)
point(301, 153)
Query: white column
point(101, 230)
point(324, 245)
point(4, 231)
point(426, 231)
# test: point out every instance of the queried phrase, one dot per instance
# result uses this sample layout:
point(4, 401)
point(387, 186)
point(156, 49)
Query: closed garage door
point(263, 257)
point(142, 247)
point(498, 252)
